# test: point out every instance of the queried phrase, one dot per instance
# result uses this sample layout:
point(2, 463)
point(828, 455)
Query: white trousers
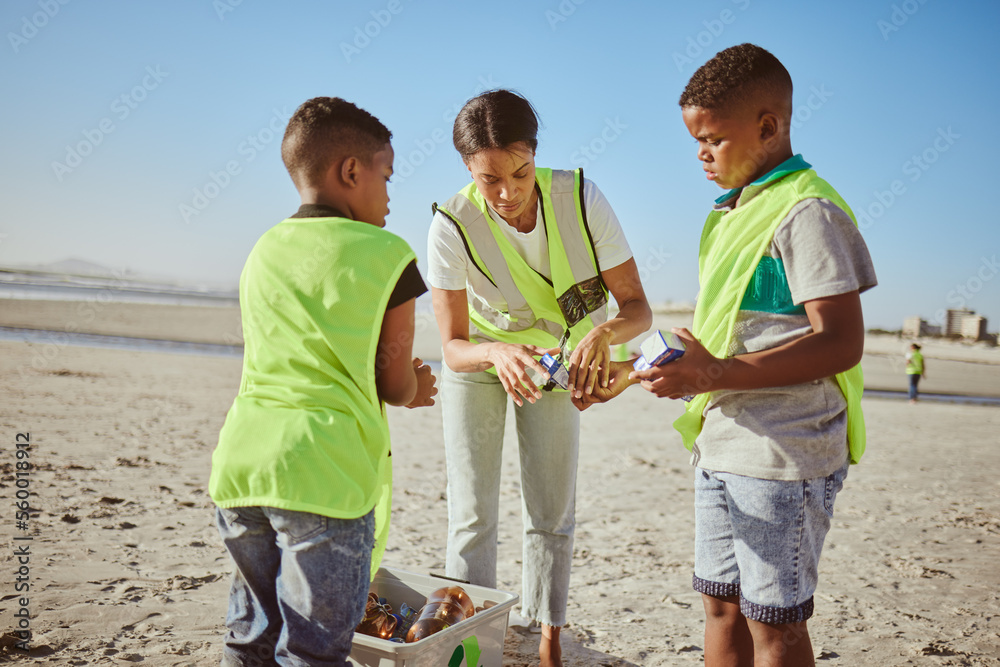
point(474, 407)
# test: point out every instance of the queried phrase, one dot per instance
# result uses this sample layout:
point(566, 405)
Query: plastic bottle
point(455, 595)
point(445, 607)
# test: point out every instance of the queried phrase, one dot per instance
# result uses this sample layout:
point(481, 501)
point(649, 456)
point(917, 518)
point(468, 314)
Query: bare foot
point(549, 650)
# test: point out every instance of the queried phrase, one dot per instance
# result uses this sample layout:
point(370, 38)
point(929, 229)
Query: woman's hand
point(463, 356)
point(590, 362)
point(510, 362)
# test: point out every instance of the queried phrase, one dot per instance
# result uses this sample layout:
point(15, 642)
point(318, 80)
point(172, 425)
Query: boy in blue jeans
point(302, 472)
point(773, 361)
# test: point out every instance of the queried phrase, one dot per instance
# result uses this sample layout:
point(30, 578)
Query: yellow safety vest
point(732, 244)
point(307, 430)
point(522, 306)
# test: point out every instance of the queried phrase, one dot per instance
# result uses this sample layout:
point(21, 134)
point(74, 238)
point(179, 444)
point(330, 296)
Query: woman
point(521, 261)
point(916, 369)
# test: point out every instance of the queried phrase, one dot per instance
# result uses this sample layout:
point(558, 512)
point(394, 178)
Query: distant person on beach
point(916, 369)
point(521, 262)
point(302, 471)
point(772, 361)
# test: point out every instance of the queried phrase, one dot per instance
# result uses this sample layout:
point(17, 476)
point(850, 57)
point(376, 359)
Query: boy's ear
point(769, 125)
point(349, 171)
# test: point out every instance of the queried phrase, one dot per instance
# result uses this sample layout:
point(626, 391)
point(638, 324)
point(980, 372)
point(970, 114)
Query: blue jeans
point(761, 539)
point(474, 407)
point(914, 381)
point(299, 586)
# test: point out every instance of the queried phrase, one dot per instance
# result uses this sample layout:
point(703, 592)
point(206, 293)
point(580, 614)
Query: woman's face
point(505, 177)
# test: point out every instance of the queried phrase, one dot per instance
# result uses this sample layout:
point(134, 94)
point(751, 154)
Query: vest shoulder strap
point(457, 207)
point(485, 253)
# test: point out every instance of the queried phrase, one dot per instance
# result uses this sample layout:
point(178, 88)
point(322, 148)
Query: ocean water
point(56, 287)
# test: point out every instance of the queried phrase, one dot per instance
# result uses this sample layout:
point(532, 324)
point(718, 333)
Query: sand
point(126, 564)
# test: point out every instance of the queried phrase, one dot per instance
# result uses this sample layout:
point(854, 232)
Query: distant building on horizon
point(917, 327)
point(953, 319)
point(974, 327)
point(957, 322)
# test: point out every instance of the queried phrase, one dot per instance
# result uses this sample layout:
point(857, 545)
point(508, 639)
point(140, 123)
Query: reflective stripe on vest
point(732, 244)
point(525, 308)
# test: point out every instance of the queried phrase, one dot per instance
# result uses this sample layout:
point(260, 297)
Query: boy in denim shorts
point(772, 362)
point(302, 472)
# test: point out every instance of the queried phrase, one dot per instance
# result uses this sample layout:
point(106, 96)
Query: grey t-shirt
point(798, 431)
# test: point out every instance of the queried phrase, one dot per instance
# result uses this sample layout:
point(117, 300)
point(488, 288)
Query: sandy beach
point(126, 564)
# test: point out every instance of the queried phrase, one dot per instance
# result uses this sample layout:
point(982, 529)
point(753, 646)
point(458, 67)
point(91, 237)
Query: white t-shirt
point(450, 268)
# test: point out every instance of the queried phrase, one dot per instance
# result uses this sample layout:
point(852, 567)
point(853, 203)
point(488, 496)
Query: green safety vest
point(307, 430)
point(732, 245)
point(523, 306)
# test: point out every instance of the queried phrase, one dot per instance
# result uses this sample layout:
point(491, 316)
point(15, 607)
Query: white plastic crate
point(475, 642)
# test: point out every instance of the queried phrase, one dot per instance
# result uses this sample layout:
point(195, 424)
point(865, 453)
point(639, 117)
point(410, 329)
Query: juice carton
point(658, 350)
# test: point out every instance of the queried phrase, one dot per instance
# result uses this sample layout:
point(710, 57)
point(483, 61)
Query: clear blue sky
point(151, 99)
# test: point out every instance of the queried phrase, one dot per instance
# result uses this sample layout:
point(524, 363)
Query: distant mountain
point(79, 267)
point(73, 269)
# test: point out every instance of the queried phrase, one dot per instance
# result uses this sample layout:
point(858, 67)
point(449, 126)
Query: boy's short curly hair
point(738, 77)
point(325, 130)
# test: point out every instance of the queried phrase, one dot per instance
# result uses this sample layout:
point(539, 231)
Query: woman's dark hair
point(495, 119)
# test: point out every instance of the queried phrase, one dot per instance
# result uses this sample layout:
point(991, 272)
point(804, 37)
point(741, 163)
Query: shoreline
point(954, 368)
point(138, 344)
point(134, 343)
point(958, 399)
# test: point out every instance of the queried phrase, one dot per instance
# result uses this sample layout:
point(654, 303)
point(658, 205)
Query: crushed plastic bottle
point(445, 607)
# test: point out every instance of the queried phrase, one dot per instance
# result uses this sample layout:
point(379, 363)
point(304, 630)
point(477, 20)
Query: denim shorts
point(299, 586)
point(761, 539)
